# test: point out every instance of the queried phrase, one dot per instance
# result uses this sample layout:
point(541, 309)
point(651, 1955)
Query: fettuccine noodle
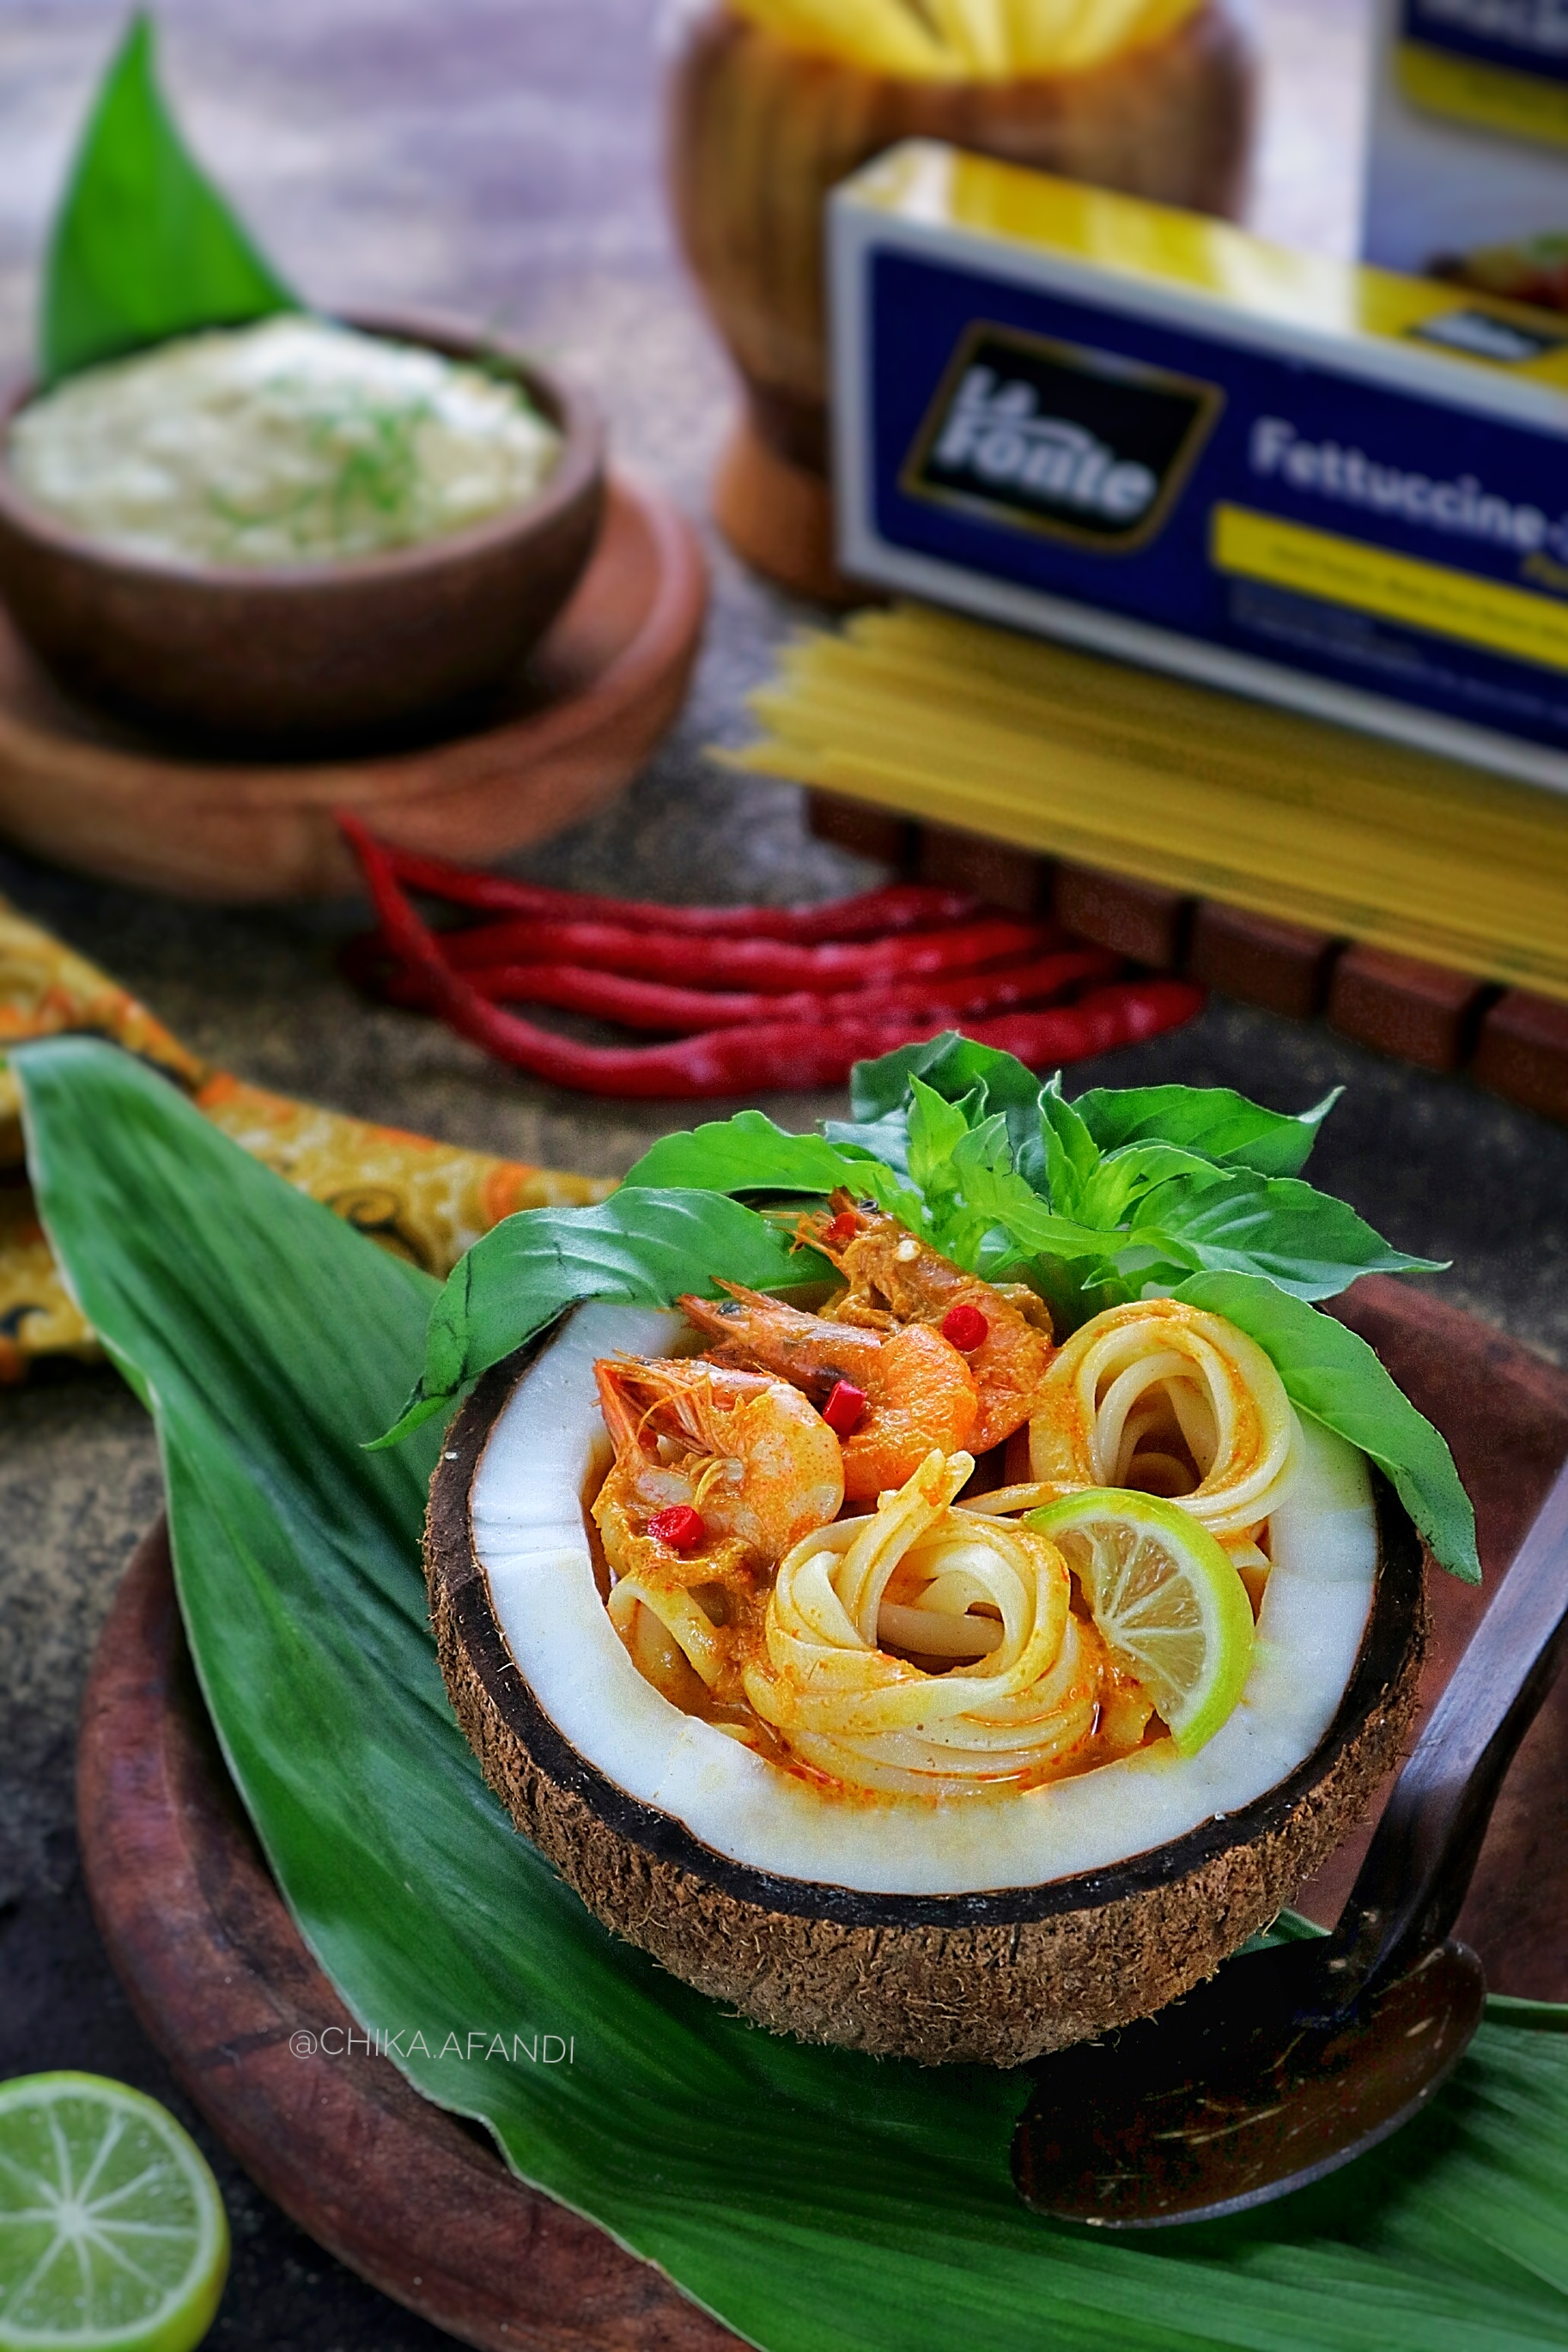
point(1172, 1401)
point(1023, 1696)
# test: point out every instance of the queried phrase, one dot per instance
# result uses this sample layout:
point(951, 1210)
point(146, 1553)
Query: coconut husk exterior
point(997, 1978)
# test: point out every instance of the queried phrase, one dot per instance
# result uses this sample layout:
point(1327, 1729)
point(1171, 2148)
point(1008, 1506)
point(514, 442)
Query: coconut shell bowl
point(759, 131)
point(192, 728)
point(997, 1978)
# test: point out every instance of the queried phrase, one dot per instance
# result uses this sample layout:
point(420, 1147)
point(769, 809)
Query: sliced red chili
point(843, 1228)
point(845, 1409)
point(965, 1326)
point(681, 1527)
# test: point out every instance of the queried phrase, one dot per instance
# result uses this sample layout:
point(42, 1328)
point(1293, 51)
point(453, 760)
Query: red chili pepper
point(651, 1005)
point(965, 1326)
point(681, 1527)
point(901, 907)
point(844, 1228)
point(771, 966)
point(845, 1409)
point(739, 1061)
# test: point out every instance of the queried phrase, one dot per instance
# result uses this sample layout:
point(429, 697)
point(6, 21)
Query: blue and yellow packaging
point(1148, 432)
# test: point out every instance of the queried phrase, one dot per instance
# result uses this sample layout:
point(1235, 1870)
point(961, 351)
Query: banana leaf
point(144, 246)
point(817, 2201)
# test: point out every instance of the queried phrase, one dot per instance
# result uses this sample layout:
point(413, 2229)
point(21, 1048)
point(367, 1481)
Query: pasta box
point(1148, 432)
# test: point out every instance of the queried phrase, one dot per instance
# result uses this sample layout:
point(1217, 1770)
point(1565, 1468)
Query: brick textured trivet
point(1420, 1011)
point(1014, 878)
point(864, 831)
point(1523, 1051)
point(1258, 960)
point(1136, 919)
point(1514, 1044)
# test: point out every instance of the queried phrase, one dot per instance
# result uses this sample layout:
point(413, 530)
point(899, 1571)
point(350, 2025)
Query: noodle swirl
point(1171, 1400)
point(1023, 1696)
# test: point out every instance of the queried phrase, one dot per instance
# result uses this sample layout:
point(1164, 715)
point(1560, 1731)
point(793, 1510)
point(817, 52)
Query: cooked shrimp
point(894, 1278)
point(918, 1392)
point(718, 1472)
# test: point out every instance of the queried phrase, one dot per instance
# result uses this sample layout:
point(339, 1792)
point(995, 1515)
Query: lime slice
point(112, 2233)
point(1167, 1598)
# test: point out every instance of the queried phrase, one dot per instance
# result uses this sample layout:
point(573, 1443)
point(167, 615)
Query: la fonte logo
point(995, 433)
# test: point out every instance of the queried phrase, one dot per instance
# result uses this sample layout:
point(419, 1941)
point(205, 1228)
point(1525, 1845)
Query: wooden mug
point(758, 133)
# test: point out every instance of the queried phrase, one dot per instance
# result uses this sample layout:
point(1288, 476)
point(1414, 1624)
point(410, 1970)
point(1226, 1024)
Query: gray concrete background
point(500, 157)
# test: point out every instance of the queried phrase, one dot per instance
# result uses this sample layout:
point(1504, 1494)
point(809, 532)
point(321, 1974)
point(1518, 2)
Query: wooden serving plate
point(605, 684)
point(417, 2202)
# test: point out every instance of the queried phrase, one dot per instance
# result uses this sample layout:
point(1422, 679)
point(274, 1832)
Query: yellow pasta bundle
point(970, 40)
point(1165, 1399)
point(944, 1585)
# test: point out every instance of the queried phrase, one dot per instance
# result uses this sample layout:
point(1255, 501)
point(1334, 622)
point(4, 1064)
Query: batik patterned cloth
point(427, 1201)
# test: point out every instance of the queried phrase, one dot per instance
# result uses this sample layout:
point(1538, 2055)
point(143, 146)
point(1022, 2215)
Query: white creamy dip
point(292, 441)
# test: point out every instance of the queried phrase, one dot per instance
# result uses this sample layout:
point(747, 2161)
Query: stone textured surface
point(499, 157)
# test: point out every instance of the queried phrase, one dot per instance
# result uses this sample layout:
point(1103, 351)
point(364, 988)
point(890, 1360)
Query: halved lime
point(1167, 1597)
point(112, 2233)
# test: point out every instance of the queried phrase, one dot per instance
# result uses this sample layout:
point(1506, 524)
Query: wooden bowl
point(311, 653)
point(759, 132)
point(560, 737)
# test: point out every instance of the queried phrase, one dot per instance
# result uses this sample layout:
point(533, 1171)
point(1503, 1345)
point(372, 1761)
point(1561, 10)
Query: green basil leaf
point(1001, 1197)
point(144, 246)
point(1310, 1244)
point(745, 1154)
point(1330, 1372)
point(880, 1087)
point(639, 1247)
point(1071, 1154)
point(953, 1066)
point(886, 1139)
point(937, 1128)
point(1127, 1176)
point(1214, 1120)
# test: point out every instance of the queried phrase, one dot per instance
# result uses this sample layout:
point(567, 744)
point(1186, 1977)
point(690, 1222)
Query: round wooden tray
point(419, 2203)
point(603, 687)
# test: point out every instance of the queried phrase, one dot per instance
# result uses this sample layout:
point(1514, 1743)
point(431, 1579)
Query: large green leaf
point(819, 2201)
point(143, 245)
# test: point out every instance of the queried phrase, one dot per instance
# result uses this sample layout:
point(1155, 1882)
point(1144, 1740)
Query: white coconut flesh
point(529, 1533)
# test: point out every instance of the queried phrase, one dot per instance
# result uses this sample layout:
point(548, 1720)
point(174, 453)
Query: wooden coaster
point(778, 518)
point(420, 2204)
point(601, 690)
